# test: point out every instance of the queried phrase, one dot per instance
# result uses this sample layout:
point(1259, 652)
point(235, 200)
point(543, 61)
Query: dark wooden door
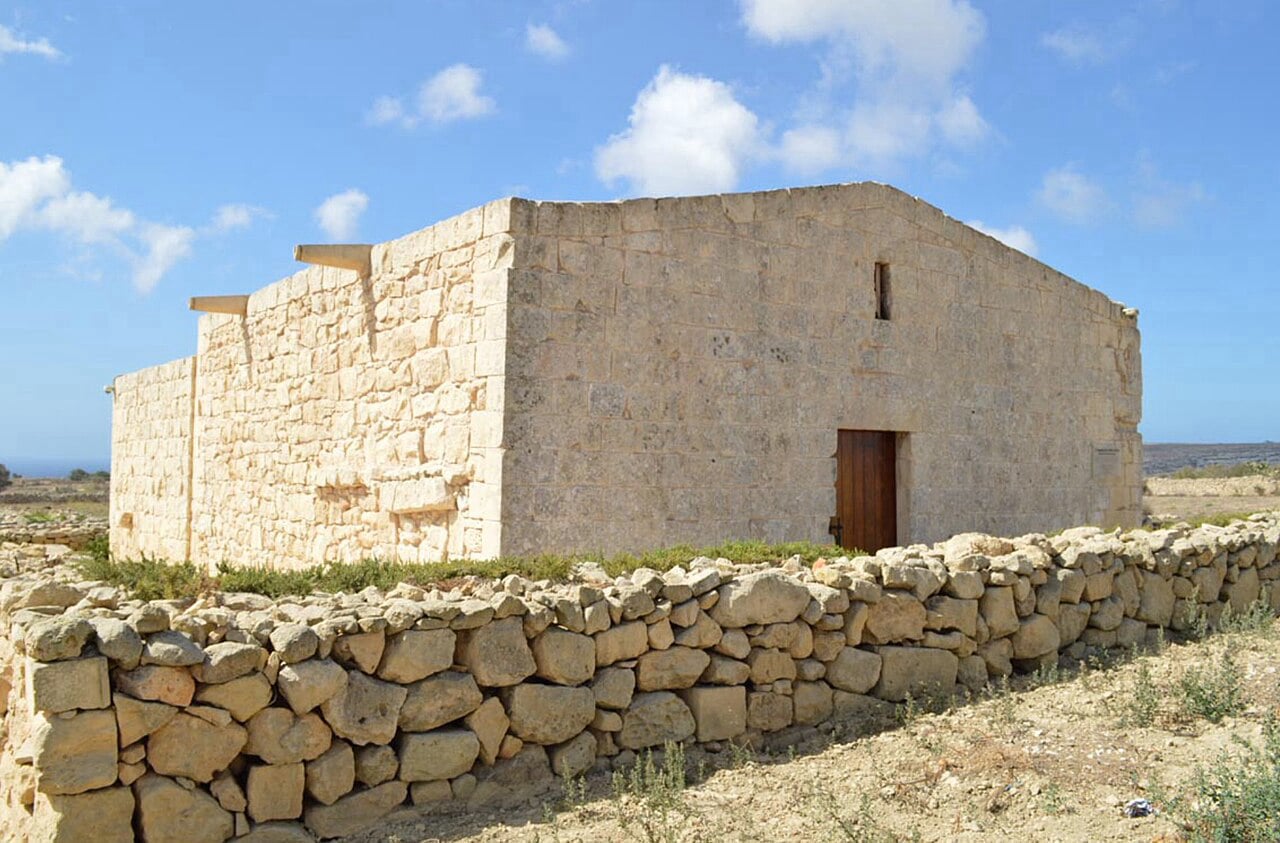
point(866, 489)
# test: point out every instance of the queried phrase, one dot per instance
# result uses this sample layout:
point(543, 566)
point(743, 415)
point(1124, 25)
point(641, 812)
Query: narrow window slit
point(882, 290)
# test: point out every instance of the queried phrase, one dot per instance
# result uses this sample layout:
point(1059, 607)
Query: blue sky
point(150, 151)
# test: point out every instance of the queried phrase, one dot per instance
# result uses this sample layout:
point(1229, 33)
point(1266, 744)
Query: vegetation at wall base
point(150, 579)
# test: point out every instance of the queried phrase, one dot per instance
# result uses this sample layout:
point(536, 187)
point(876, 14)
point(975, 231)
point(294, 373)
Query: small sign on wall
point(1106, 461)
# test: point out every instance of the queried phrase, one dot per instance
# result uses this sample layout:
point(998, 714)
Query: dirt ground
point(1052, 762)
point(1201, 506)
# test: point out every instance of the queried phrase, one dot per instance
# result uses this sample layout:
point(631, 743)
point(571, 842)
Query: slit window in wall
point(882, 290)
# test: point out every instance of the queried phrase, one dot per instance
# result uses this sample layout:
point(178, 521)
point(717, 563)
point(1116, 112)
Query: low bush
point(1237, 800)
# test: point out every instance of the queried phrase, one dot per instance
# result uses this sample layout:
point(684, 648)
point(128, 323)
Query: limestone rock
point(171, 685)
point(896, 616)
point(915, 671)
point(618, 643)
point(59, 637)
point(310, 683)
point(855, 671)
point(497, 654)
point(135, 719)
point(356, 812)
point(363, 650)
point(1036, 636)
point(194, 748)
point(228, 792)
point(366, 710)
point(242, 697)
point(574, 757)
point(278, 736)
point(768, 596)
point(119, 642)
point(677, 667)
point(438, 700)
point(564, 657)
point(100, 816)
point(416, 654)
point(438, 755)
point(813, 702)
point(549, 714)
point(613, 687)
point(68, 685)
point(999, 612)
point(769, 712)
point(229, 660)
point(171, 649)
point(490, 723)
point(294, 642)
point(277, 832)
point(1156, 606)
point(274, 791)
point(719, 713)
point(74, 753)
point(376, 764)
point(723, 671)
point(168, 811)
point(655, 718)
point(769, 666)
point(332, 775)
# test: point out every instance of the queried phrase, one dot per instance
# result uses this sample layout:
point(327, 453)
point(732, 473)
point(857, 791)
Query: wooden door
point(866, 490)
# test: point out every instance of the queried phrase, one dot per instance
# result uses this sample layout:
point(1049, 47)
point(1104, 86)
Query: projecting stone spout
point(341, 255)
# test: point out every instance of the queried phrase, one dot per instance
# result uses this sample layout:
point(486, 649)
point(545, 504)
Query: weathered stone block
point(74, 753)
point(497, 654)
point(655, 718)
point(416, 654)
point(194, 748)
point(915, 671)
point(720, 713)
point(676, 667)
point(356, 812)
point(549, 714)
point(769, 596)
point(68, 685)
point(438, 700)
point(564, 657)
point(274, 791)
point(365, 710)
point(168, 811)
point(432, 756)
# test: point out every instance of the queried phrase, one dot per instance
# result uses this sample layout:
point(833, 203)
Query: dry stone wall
point(316, 717)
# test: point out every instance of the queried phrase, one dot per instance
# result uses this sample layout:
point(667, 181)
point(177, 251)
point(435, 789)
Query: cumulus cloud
point(235, 216)
point(452, 94)
point(686, 134)
point(1014, 236)
point(1072, 195)
point(1076, 45)
point(36, 193)
point(904, 58)
point(339, 215)
point(542, 40)
point(11, 43)
point(809, 150)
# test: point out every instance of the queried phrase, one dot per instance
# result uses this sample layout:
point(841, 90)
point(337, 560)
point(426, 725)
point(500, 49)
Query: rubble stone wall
point(151, 461)
point(316, 717)
point(678, 370)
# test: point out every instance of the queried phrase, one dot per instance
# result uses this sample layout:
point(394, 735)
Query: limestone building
point(536, 376)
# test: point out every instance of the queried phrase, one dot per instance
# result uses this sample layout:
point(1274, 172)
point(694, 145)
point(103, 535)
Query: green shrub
point(78, 475)
point(39, 517)
point(1237, 800)
point(5, 477)
point(148, 579)
point(1249, 468)
point(1214, 692)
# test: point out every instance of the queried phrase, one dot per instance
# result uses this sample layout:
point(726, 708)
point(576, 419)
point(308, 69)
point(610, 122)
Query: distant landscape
point(1166, 457)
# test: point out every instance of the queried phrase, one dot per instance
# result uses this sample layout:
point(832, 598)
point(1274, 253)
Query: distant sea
point(1166, 457)
point(53, 466)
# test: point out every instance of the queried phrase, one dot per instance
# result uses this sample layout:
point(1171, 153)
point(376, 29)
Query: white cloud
point(904, 57)
point(452, 94)
point(236, 215)
point(686, 134)
point(1076, 45)
point(89, 218)
point(24, 185)
point(1072, 196)
point(388, 110)
point(810, 149)
point(166, 245)
point(36, 193)
point(339, 215)
point(10, 43)
point(542, 40)
point(1014, 236)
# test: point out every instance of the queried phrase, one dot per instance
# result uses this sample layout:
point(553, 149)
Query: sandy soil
point(1052, 763)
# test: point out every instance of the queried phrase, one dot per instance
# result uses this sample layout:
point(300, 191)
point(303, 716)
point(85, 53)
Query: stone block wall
point(547, 377)
point(317, 717)
point(151, 461)
point(677, 371)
